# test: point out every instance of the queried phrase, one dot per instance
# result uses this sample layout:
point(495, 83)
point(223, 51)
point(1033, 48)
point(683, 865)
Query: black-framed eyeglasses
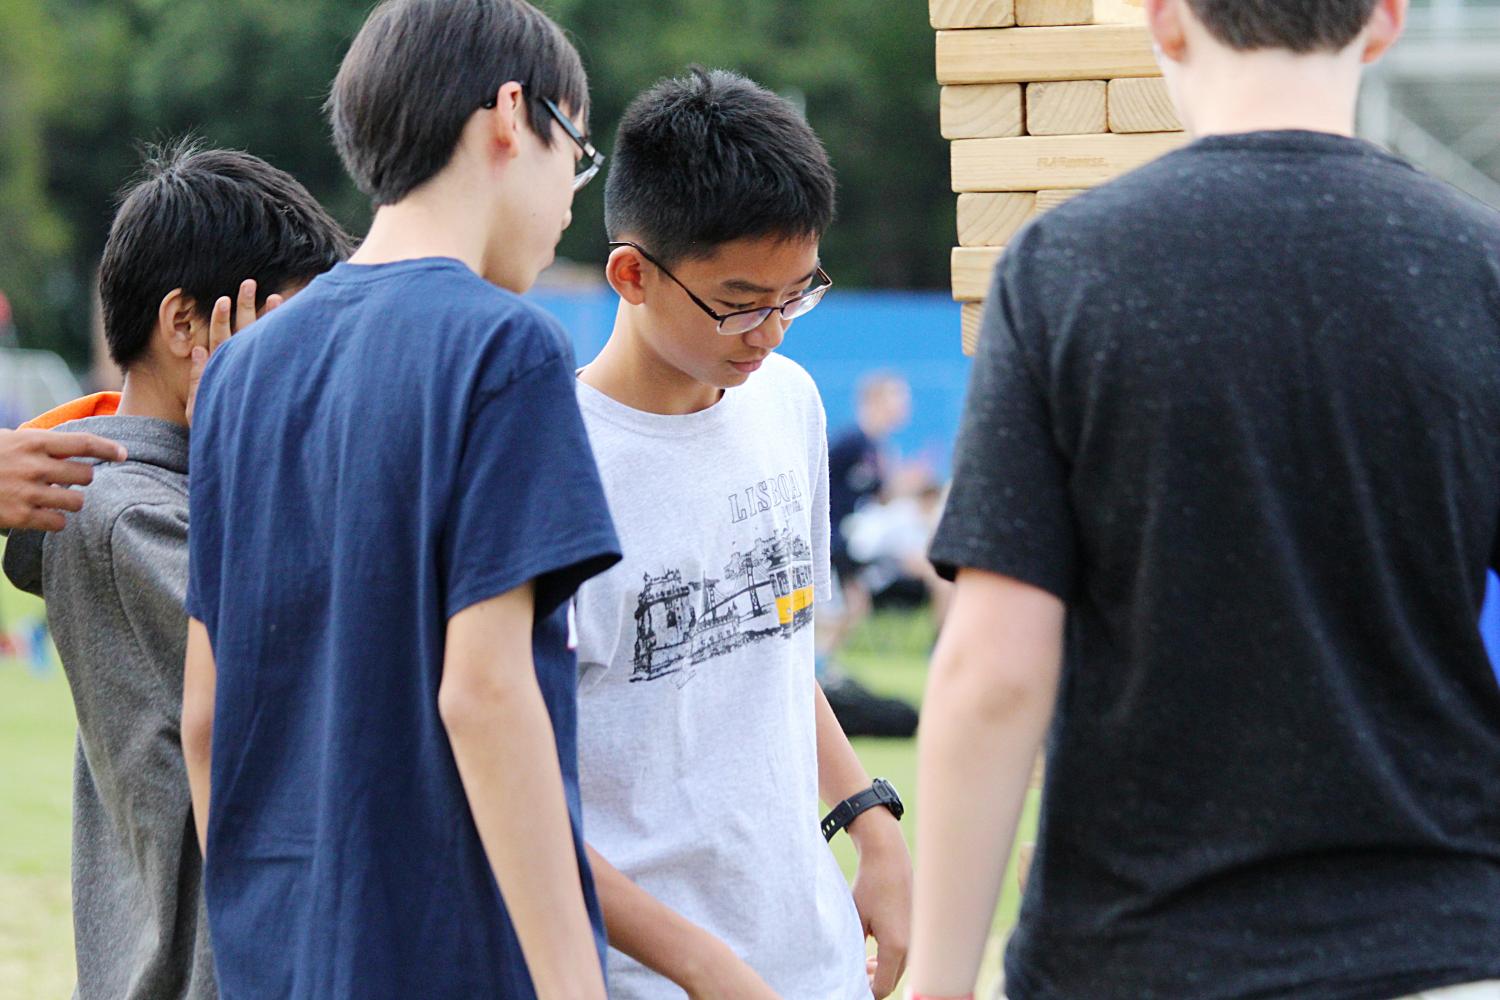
point(593, 160)
point(736, 323)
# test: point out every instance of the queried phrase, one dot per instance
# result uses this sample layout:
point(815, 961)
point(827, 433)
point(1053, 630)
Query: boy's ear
point(507, 118)
point(1386, 25)
point(1167, 32)
point(178, 318)
point(624, 272)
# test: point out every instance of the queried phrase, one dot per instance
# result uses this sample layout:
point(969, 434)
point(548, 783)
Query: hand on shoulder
point(36, 472)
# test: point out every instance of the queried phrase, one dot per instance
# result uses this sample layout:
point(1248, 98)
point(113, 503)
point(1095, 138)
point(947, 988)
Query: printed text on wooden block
point(1039, 163)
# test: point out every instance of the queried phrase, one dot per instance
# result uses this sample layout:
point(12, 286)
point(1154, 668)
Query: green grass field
point(36, 763)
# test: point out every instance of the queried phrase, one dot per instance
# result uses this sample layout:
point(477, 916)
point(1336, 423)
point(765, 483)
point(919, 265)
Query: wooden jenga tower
point(1042, 99)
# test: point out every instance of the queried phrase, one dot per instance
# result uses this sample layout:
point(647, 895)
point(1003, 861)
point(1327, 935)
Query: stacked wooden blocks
point(1042, 99)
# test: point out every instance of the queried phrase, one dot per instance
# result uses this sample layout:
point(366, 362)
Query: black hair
point(711, 157)
point(418, 71)
point(1298, 25)
point(204, 220)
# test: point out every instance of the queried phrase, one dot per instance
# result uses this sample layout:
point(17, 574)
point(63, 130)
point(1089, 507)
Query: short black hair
point(418, 71)
point(1298, 25)
point(204, 220)
point(711, 157)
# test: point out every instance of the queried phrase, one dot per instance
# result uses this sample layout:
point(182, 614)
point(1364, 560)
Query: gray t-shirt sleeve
point(149, 556)
point(1009, 511)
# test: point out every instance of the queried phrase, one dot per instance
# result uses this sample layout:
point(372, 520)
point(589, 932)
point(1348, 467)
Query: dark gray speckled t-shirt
point(1241, 410)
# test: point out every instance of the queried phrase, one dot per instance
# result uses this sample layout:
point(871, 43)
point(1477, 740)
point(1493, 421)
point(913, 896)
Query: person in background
point(860, 467)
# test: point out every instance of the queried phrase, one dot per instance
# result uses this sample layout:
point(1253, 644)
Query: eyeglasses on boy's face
point(743, 321)
point(591, 162)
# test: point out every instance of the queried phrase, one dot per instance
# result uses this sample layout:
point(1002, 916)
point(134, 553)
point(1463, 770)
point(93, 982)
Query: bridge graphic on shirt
point(764, 594)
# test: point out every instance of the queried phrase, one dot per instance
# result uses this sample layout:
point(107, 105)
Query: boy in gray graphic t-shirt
point(115, 578)
point(704, 742)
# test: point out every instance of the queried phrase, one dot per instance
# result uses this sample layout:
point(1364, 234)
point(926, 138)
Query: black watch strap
point(878, 794)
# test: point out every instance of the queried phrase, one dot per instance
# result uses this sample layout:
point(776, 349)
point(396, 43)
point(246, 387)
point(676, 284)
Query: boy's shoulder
point(785, 387)
point(151, 484)
point(126, 504)
point(434, 312)
point(786, 380)
point(123, 502)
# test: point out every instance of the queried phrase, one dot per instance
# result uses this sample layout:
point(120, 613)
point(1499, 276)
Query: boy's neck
point(1271, 90)
point(630, 373)
point(146, 394)
point(418, 227)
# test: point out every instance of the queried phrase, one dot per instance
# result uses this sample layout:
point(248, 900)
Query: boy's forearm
point(199, 683)
point(840, 774)
point(506, 754)
point(990, 698)
point(649, 931)
point(963, 841)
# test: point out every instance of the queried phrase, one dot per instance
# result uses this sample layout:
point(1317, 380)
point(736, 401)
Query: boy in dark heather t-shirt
point(1226, 492)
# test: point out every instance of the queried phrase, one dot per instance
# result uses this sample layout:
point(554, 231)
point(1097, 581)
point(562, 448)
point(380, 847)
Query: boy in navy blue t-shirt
point(393, 500)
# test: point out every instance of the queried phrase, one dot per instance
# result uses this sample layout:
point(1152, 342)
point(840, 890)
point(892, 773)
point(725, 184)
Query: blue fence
point(853, 333)
point(849, 335)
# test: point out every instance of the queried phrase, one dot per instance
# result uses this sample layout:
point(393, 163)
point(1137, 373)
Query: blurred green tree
point(84, 82)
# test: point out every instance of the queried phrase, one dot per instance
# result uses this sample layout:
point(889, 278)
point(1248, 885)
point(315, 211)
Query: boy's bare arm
point(199, 680)
point(503, 743)
point(990, 697)
point(883, 884)
point(665, 942)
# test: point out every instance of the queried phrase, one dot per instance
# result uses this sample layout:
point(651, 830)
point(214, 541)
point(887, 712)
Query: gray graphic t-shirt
point(697, 749)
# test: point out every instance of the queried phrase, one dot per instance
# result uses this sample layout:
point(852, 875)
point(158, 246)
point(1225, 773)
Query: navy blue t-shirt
point(393, 445)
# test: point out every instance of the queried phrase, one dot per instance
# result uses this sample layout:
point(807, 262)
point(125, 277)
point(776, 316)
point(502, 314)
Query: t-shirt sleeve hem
point(557, 574)
point(948, 561)
point(823, 589)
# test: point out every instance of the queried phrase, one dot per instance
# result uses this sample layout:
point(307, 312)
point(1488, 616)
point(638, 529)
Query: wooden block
point(1037, 13)
point(972, 13)
point(1048, 200)
point(990, 220)
point(1119, 12)
point(1041, 163)
point(973, 268)
point(1029, 55)
point(1068, 107)
point(973, 323)
point(985, 111)
point(1141, 106)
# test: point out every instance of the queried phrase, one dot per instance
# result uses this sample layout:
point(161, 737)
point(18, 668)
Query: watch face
point(888, 796)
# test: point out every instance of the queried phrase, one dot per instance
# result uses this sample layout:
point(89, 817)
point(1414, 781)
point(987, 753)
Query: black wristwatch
point(879, 794)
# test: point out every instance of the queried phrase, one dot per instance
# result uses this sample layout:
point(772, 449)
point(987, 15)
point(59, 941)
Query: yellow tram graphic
point(763, 593)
